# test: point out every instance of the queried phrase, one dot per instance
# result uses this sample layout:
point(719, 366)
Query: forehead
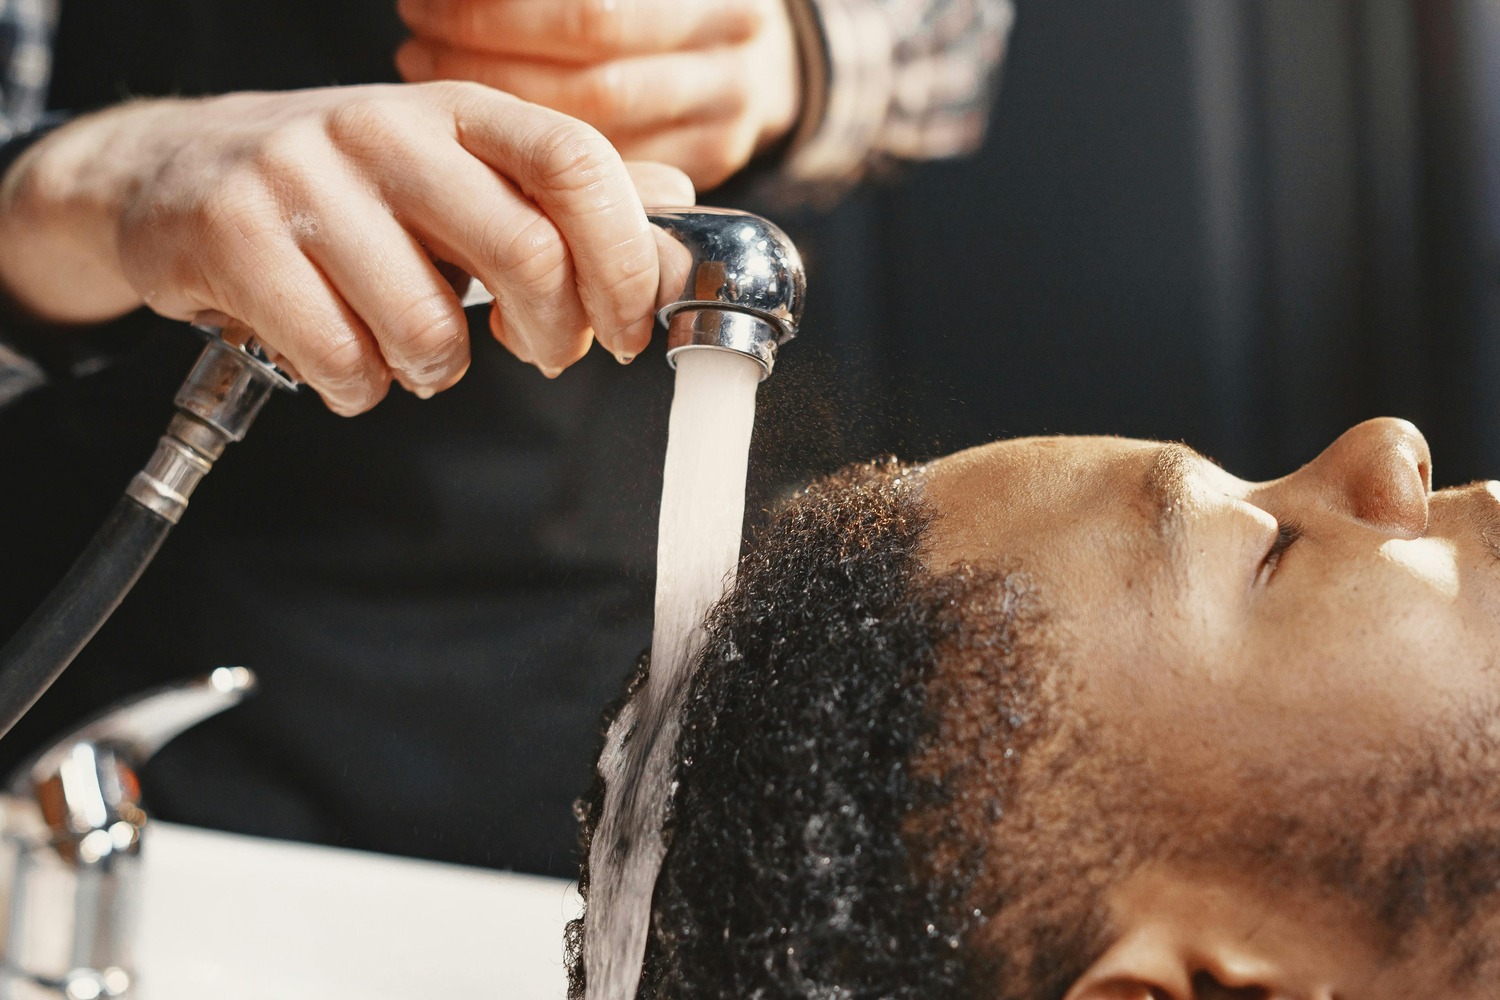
point(1022, 497)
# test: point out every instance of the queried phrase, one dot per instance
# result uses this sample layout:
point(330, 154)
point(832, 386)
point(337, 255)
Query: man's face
point(1313, 622)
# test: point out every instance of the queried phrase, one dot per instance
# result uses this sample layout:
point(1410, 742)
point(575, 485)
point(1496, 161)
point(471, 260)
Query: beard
point(1410, 836)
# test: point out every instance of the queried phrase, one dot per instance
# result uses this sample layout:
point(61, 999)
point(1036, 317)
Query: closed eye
point(1287, 533)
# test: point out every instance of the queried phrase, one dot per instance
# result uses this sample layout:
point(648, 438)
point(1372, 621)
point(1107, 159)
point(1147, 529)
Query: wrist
point(60, 207)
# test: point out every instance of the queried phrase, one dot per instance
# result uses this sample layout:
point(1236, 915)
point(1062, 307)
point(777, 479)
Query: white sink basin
point(239, 918)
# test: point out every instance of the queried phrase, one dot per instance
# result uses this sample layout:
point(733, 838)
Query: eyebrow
point(1164, 489)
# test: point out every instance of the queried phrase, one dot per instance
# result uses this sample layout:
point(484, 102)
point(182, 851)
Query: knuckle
point(629, 281)
point(363, 122)
point(456, 21)
point(283, 153)
point(341, 364)
point(570, 156)
point(597, 25)
point(458, 94)
point(737, 101)
point(533, 261)
point(238, 224)
point(746, 20)
point(713, 172)
point(429, 335)
point(375, 390)
point(718, 159)
point(468, 21)
point(600, 94)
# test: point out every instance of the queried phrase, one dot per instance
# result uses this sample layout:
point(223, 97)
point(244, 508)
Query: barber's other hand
point(316, 217)
point(700, 84)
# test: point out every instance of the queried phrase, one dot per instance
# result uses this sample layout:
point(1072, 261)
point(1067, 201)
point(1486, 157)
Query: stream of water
point(698, 545)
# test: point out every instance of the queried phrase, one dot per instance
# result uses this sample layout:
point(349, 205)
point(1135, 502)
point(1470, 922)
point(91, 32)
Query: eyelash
point(1287, 533)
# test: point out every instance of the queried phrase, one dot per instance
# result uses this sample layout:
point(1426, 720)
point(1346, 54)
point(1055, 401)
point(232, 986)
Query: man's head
point(1092, 718)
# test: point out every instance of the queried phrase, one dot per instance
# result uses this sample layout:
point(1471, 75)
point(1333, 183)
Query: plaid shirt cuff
point(26, 28)
point(848, 85)
point(891, 80)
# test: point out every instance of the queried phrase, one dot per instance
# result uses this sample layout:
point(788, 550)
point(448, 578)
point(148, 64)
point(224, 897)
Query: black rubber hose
point(77, 606)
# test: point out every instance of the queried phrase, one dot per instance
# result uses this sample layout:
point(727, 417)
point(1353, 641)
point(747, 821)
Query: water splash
point(698, 545)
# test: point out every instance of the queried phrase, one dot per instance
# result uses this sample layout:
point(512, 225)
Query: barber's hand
point(316, 217)
point(700, 84)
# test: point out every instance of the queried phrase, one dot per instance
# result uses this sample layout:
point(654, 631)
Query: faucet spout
point(736, 283)
point(135, 730)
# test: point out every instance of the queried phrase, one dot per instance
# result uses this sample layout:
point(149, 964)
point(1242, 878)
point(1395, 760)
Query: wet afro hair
point(821, 843)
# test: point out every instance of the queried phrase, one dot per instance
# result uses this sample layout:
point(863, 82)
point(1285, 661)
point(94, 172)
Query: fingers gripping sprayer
point(731, 282)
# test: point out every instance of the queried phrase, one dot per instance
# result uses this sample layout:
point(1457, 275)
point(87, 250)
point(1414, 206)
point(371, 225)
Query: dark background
point(1243, 224)
point(1246, 225)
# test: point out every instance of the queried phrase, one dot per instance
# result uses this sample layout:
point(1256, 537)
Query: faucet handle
point(136, 729)
point(71, 843)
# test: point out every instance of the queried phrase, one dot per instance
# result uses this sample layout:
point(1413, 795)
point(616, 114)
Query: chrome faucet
point(736, 284)
point(72, 830)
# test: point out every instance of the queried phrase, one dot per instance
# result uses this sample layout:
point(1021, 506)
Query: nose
point(1379, 472)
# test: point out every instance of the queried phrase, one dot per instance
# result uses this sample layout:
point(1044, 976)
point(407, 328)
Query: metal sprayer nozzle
point(215, 406)
point(738, 284)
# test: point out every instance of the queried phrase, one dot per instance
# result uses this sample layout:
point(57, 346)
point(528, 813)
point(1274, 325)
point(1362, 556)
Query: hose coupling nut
point(169, 478)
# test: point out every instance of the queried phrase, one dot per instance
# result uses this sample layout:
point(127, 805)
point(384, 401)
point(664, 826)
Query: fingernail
point(424, 392)
point(624, 359)
point(549, 372)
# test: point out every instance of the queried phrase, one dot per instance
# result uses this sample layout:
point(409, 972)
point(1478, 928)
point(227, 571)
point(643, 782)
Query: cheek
point(1320, 665)
point(1380, 650)
point(1430, 564)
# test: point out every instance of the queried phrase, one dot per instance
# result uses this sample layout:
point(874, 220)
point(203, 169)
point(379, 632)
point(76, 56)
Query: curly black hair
point(824, 841)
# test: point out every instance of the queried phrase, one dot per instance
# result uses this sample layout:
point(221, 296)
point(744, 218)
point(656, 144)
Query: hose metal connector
point(738, 284)
point(216, 405)
point(229, 385)
point(169, 478)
